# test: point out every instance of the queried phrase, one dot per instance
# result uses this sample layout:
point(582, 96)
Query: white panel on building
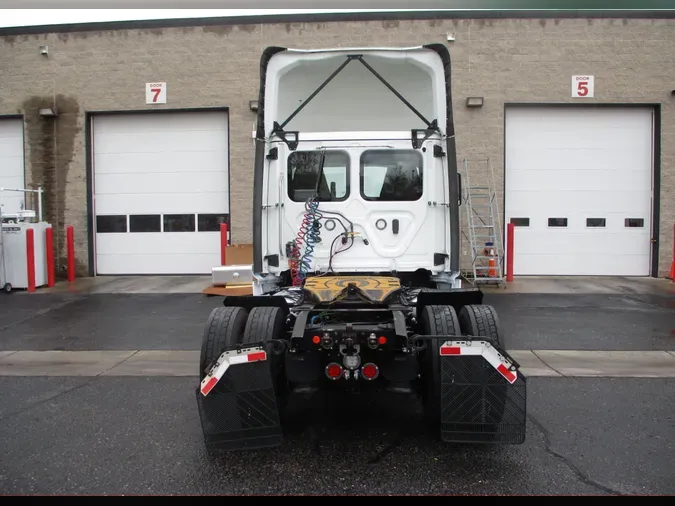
point(160, 191)
point(12, 174)
point(579, 187)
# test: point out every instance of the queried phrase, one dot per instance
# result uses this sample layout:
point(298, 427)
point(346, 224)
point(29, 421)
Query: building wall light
point(474, 102)
point(48, 111)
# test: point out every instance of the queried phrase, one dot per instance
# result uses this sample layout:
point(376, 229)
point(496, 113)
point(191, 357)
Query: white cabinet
point(14, 265)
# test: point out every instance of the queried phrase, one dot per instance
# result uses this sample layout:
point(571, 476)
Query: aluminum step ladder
point(484, 230)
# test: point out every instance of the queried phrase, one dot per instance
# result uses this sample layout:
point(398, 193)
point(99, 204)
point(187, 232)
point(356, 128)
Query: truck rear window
point(391, 175)
point(303, 171)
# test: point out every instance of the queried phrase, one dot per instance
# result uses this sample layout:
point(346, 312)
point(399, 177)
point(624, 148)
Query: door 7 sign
point(583, 86)
point(155, 93)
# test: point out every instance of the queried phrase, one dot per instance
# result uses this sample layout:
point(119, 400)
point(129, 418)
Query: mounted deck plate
point(329, 288)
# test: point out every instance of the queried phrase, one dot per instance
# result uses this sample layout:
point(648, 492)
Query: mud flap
point(237, 404)
point(483, 395)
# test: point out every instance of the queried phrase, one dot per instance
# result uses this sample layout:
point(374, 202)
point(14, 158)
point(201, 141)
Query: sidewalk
point(584, 285)
point(534, 363)
point(529, 284)
point(130, 285)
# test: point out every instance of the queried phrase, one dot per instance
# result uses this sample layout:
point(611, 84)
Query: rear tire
point(435, 320)
point(483, 321)
point(267, 324)
point(224, 327)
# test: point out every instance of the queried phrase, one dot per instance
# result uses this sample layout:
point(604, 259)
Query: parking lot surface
point(142, 436)
point(115, 411)
point(175, 321)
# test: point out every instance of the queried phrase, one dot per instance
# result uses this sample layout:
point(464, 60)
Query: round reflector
point(382, 340)
point(316, 340)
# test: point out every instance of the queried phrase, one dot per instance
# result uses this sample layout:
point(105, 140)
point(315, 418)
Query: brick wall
point(503, 60)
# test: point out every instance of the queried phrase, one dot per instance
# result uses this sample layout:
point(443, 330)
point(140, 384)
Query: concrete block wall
point(503, 60)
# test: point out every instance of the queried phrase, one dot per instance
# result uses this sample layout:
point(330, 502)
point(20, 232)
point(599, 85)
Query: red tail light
point(370, 371)
point(334, 371)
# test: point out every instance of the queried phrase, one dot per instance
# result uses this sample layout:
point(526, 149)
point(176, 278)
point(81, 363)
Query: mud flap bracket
point(237, 404)
point(483, 394)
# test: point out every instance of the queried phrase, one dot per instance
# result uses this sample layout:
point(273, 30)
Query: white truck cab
point(359, 137)
point(355, 248)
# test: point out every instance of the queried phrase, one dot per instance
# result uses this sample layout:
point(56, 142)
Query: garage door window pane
point(145, 223)
point(635, 222)
point(111, 224)
point(557, 222)
point(211, 222)
point(596, 222)
point(179, 223)
point(520, 222)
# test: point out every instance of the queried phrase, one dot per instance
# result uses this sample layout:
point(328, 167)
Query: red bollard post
point(223, 243)
point(49, 246)
point(672, 265)
point(30, 258)
point(511, 232)
point(70, 241)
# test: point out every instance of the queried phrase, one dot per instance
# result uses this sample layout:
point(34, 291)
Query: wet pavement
point(142, 436)
point(123, 421)
point(104, 321)
point(175, 321)
point(586, 321)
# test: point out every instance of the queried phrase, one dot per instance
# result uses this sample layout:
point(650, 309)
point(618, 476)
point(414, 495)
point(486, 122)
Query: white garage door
point(161, 192)
point(12, 173)
point(579, 189)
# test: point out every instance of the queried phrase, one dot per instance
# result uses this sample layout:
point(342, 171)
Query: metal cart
point(7, 219)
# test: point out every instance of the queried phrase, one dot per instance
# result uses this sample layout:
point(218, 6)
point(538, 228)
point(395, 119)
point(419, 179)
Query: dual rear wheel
point(232, 326)
point(472, 320)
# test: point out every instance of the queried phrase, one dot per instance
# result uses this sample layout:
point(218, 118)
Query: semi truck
point(356, 282)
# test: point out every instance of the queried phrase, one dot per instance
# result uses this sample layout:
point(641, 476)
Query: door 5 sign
point(155, 93)
point(583, 86)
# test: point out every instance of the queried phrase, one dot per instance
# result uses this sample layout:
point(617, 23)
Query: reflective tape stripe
point(210, 383)
point(509, 375)
point(244, 357)
point(257, 357)
point(450, 350)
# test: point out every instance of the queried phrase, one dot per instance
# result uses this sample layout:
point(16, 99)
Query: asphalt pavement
point(142, 436)
point(644, 322)
point(99, 426)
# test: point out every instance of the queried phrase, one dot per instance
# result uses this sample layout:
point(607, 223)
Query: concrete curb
point(184, 363)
